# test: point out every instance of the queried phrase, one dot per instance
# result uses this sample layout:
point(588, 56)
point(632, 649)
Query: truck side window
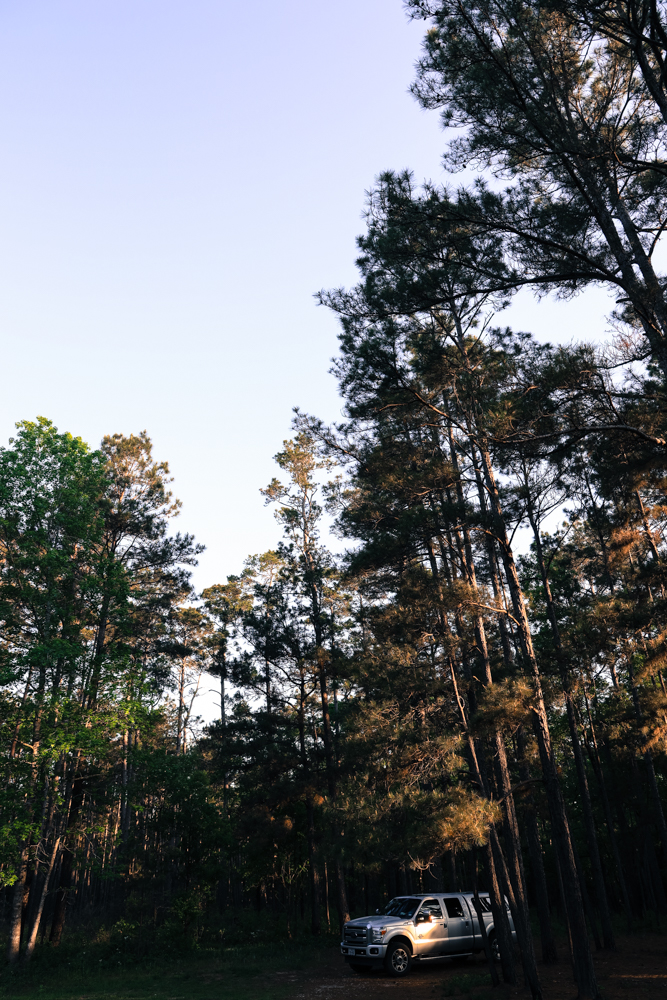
point(454, 908)
point(432, 906)
point(484, 902)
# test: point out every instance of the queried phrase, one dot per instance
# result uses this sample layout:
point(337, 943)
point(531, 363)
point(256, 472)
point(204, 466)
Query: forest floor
point(238, 973)
point(637, 971)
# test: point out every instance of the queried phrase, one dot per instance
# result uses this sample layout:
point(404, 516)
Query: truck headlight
point(377, 934)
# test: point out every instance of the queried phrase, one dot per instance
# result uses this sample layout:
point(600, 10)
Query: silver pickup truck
point(418, 928)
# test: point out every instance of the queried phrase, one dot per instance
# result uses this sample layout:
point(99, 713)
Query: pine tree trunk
point(591, 835)
point(596, 765)
point(588, 906)
point(488, 954)
point(314, 877)
point(516, 873)
point(499, 910)
point(584, 971)
point(34, 930)
point(180, 731)
point(658, 811)
point(60, 908)
point(500, 921)
point(589, 821)
point(341, 892)
point(549, 951)
point(561, 890)
point(657, 801)
point(62, 896)
point(521, 926)
point(548, 941)
point(626, 834)
point(14, 941)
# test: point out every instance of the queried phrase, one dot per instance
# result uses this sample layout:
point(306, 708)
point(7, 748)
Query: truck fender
point(403, 939)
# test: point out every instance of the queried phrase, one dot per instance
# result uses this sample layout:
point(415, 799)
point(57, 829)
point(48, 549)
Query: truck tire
point(495, 947)
point(398, 959)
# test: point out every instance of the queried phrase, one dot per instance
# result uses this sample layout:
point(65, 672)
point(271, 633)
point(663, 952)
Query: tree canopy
point(449, 671)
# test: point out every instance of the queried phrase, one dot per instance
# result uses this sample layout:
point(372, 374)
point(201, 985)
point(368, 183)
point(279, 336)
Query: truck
point(419, 928)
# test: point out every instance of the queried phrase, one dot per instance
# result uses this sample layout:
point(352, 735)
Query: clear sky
point(176, 181)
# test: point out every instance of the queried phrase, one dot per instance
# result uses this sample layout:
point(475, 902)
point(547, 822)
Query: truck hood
point(377, 921)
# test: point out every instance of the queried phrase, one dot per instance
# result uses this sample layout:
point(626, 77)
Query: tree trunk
point(620, 873)
point(589, 821)
point(34, 930)
point(314, 877)
point(60, 908)
point(495, 979)
point(584, 971)
point(501, 923)
point(14, 941)
point(588, 906)
point(516, 872)
point(591, 835)
point(521, 927)
point(499, 910)
point(549, 952)
point(341, 892)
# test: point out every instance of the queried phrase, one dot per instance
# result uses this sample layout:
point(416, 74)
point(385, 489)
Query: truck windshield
point(402, 906)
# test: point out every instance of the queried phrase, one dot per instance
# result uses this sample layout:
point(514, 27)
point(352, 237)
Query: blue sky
point(176, 181)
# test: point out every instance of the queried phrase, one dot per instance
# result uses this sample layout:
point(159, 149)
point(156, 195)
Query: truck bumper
point(372, 955)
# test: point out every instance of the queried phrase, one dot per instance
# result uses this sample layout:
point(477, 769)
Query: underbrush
point(119, 964)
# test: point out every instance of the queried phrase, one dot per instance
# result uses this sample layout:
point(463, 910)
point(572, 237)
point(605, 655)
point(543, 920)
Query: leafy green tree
point(51, 524)
point(89, 579)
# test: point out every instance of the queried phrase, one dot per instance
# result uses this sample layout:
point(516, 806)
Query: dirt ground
point(637, 971)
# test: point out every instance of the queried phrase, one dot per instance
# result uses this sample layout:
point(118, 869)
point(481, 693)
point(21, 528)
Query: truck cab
point(419, 927)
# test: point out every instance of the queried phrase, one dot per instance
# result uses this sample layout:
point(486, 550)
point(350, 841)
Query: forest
point(450, 670)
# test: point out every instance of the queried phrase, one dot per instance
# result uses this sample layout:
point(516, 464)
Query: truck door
point(431, 933)
point(459, 927)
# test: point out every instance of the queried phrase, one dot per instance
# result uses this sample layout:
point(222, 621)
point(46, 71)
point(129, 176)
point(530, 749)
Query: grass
point(253, 972)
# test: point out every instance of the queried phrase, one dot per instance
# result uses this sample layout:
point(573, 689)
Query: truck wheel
point(398, 959)
point(495, 948)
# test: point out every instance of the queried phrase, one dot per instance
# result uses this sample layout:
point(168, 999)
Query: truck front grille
point(355, 936)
